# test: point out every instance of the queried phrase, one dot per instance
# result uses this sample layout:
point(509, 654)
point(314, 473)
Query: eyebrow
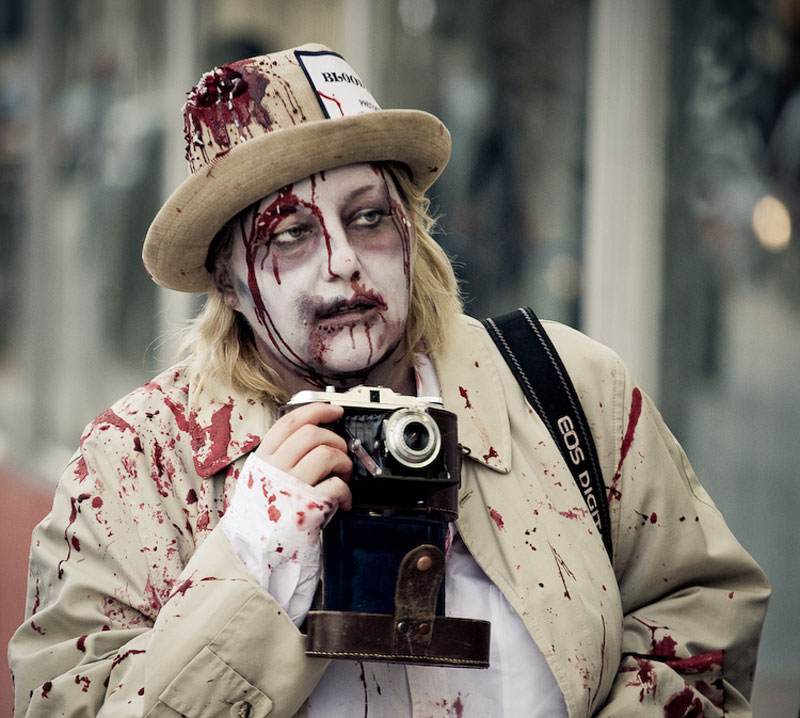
point(288, 209)
point(354, 194)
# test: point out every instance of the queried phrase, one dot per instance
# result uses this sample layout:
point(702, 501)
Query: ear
point(224, 284)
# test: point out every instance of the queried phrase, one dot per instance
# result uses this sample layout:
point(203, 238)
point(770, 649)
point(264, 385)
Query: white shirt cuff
point(274, 524)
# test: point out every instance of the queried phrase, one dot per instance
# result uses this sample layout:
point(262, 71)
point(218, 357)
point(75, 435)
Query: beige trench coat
point(138, 607)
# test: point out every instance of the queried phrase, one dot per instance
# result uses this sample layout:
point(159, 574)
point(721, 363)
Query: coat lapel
point(224, 425)
point(471, 388)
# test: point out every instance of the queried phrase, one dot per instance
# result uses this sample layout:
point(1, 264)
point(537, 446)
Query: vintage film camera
point(382, 591)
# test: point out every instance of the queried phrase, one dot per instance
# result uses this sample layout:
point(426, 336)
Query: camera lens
point(412, 437)
point(415, 436)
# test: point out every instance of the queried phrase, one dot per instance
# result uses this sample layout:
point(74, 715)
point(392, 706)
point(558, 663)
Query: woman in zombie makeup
point(177, 567)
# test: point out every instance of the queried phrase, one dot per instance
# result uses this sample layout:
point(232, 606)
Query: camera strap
point(544, 380)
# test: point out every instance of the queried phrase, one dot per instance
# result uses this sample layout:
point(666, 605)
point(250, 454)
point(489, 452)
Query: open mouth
point(349, 311)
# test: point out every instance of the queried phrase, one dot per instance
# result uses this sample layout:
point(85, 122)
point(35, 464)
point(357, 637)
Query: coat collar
point(224, 424)
point(472, 389)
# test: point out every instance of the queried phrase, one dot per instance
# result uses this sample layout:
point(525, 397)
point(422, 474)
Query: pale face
point(320, 269)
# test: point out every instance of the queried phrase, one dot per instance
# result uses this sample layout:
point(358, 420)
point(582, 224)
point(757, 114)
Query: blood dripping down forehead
point(221, 109)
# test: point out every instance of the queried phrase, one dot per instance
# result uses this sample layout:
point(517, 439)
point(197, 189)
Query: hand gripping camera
point(383, 562)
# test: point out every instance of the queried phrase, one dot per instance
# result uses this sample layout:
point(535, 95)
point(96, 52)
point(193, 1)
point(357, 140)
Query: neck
point(395, 371)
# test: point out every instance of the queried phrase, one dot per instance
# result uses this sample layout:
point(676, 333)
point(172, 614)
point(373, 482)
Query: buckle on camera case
point(414, 634)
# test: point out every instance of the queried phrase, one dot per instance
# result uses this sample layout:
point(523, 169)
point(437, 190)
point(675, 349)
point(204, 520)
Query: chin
point(342, 369)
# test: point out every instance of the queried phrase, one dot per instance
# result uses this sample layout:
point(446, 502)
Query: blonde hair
point(219, 342)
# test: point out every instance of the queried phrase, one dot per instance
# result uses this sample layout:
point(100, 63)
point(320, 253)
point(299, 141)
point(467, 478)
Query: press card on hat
point(339, 89)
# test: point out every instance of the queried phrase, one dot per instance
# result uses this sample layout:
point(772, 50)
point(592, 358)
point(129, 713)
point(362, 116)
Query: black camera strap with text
point(545, 382)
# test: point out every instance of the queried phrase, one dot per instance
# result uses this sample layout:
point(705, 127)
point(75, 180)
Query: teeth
point(346, 309)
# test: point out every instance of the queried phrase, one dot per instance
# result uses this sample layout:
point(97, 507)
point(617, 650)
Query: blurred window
point(731, 319)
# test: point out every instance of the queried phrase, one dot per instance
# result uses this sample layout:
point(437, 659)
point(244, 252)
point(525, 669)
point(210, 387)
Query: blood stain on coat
point(633, 420)
point(84, 682)
point(80, 644)
point(491, 455)
point(646, 678)
point(665, 647)
point(711, 667)
point(38, 629)
point(647, 519)
point(81, 470)
point(216, 437)
point(75, 509)
point(183, 588)
point(160, 468)
point(366, 691)
point(203, 519)
point(562, 569)
point(685, 704)
point(46, 688)
point(36, 603)
point(122, 656)
point(602, 654)
point(496, 517)
point(576, 512)
point(108, 419)
point(465, 396)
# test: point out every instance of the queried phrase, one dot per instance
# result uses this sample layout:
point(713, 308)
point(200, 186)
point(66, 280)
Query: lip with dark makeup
point(341, 312)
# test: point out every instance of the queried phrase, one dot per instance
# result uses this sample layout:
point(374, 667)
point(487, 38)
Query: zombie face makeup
point(320, 269)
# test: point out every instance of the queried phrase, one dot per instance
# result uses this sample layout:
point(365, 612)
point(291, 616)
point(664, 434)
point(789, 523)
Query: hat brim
point(177, 242)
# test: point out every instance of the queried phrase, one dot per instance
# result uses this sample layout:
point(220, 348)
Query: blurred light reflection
point(772, 224)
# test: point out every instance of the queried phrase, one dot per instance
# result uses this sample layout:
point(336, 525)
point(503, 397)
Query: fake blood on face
point(305, 285)
point(255, 237)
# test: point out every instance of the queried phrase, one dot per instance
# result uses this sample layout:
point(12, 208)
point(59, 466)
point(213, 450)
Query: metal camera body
point(405, 479)
point(404, 449)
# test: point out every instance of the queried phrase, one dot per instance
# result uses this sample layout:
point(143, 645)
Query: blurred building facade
point(629, 167)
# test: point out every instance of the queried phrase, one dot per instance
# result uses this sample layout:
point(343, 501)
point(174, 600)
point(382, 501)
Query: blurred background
point(629, 167)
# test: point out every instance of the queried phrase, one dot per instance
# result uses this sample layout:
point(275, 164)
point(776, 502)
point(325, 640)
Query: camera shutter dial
point(412, 438)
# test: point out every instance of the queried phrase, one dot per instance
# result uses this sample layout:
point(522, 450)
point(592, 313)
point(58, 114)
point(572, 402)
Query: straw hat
point(255, 126)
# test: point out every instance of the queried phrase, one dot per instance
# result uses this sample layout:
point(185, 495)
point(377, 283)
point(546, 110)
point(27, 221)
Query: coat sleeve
point(103, 637)
point(693, 599)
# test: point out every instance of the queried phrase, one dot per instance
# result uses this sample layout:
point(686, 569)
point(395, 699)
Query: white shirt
point(274, 524)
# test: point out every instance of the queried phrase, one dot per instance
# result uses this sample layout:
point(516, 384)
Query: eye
point(290, 234)
point(368, 218)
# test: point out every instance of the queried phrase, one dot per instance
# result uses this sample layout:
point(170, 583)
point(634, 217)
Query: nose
point(343, 260)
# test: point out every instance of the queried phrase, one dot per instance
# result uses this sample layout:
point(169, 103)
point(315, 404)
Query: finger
point(283, 428)
point(303, 441)
point(321, 462)
point(334, 488)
